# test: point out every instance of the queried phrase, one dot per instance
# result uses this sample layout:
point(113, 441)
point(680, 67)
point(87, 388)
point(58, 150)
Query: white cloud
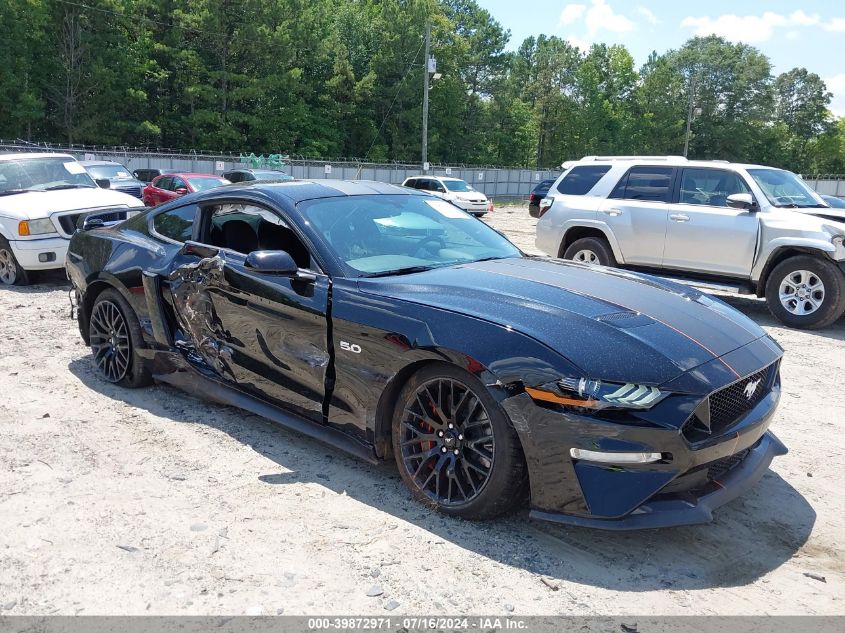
point(577, 42)
point(799, 18)
point(572, 13)
point(836, 85)
point(744, 28)
point(792, 35)
point(601, 16)
point(835, 24)
point(648, 14)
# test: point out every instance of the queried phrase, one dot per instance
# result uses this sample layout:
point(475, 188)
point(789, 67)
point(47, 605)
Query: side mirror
point(180, 191)
point(276, 263)
point(103, 183)
point(742, 201)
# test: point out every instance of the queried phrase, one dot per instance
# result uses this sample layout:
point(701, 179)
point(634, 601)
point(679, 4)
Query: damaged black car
point(395, 326)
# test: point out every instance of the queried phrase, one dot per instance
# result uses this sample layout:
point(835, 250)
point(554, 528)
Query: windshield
point(393, 234)
point(785, 189)
point(457, 185)
point(109, 172)
point(203, 183)
point(40, 174)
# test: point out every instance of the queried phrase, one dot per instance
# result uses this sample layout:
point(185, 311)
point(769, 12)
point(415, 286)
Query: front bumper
point(672, 512)
point(476, 208)
point(51, 249)
point(695, 476)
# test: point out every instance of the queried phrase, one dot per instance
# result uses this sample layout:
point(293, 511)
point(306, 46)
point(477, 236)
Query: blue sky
point(810, 33)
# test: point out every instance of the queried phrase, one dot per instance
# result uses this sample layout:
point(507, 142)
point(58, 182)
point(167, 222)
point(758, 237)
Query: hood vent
point(625, 320)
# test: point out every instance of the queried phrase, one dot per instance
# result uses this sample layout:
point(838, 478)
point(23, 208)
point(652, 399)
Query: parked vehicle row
point(42, 198)
point(746, 228)
point(390, 323)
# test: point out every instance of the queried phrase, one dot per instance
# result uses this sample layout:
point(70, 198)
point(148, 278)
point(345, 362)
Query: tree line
point(332, 78)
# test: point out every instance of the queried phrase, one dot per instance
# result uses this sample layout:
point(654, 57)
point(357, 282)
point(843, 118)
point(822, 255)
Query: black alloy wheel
point(447, 442)
point(110, 344)
point(455, 448)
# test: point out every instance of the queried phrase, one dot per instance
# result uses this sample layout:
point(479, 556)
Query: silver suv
point(746, 228)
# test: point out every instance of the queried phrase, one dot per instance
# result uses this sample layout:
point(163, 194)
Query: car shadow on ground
point(749, 537)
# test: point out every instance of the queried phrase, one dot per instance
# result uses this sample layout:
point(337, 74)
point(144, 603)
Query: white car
point(455, 190)
point(42, 197)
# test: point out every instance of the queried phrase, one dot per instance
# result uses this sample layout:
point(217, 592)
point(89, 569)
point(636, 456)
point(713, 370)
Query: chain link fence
point(498, 183)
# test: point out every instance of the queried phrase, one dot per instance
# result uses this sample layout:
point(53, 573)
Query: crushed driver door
point(266, 334)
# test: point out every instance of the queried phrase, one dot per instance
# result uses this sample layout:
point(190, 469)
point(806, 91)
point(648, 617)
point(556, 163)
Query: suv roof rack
point(666, 158)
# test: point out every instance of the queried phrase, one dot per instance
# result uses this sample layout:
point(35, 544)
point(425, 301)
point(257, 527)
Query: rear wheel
point(455, 448)
point(11, 273)
point(806, 292)
point(115, 335)
point(591, 250)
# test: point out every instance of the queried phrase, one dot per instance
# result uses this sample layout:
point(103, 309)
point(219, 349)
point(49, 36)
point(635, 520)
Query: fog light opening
point(46, 257)
point(615, 458)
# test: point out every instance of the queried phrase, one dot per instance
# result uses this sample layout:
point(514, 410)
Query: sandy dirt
point(115, 501)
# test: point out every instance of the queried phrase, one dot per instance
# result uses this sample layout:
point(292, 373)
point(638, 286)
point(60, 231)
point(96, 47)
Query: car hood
point(42, 204)
point(468, 195)
point(613, 324)
point(837, 215)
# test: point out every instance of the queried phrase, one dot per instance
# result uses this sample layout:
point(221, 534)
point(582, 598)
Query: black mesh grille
point(729, 404)
point(717, 469)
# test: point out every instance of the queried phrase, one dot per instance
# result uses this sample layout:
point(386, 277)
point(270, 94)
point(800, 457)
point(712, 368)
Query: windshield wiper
point(67, 186)
point(12, 192)
point(791, 205)
point(399, 271)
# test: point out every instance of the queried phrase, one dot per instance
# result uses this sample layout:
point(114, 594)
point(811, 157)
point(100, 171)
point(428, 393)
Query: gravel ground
point(130, 502)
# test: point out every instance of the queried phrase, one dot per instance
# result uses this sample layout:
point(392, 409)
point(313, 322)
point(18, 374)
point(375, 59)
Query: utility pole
point(426, 65)
point(689, 113)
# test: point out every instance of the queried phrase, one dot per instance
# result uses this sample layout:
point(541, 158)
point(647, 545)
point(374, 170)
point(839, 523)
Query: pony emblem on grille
point(751, 388)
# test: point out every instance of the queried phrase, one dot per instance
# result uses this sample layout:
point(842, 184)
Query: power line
point(395, 96)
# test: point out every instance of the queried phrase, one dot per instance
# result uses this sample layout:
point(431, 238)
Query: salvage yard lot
point(115, 501)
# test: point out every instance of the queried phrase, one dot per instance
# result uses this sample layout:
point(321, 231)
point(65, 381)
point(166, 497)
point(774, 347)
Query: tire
point(11, 272)
point(591, 250)
point(448, 468)
point(806, 292)
point(115, 336)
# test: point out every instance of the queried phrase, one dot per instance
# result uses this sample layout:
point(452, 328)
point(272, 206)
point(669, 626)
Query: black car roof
point(296, 191)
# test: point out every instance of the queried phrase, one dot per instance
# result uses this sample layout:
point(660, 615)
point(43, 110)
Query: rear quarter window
point(581, 179)
point(644, 182)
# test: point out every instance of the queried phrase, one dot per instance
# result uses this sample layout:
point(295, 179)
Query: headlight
point(36, 227)
point(596, 394)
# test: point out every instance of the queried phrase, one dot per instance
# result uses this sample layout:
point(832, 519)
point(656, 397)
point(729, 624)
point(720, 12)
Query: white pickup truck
point(42, 197)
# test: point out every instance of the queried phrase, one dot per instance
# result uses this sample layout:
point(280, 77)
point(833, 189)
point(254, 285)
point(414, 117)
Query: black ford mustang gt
point(391, 324)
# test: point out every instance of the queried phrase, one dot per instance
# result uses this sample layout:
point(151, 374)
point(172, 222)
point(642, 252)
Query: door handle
point(679, 217)
point(613, 212)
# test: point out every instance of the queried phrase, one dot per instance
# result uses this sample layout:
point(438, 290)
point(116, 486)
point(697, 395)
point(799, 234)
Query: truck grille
point(132, 190)
point(71, 221)
point(726, 406)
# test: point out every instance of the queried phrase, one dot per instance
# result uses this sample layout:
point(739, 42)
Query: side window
point(244, 228)
point(581, 179)
point(230, 176)
point(411, 182)
point(436, 185)
point(177, 225)
point(645, 183)
point(177, 183)
point(164, 183)
point(710, 187)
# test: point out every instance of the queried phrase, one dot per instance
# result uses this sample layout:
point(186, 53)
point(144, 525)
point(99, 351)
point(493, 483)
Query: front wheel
point(806, 292)
point(455, 448)
point(11, 272)
point(591, 250)
point(115, 336)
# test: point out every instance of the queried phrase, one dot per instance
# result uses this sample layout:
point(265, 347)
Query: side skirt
point(208, 388)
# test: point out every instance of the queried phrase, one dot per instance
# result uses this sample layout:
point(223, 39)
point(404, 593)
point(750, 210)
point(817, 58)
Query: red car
point(169, 186)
